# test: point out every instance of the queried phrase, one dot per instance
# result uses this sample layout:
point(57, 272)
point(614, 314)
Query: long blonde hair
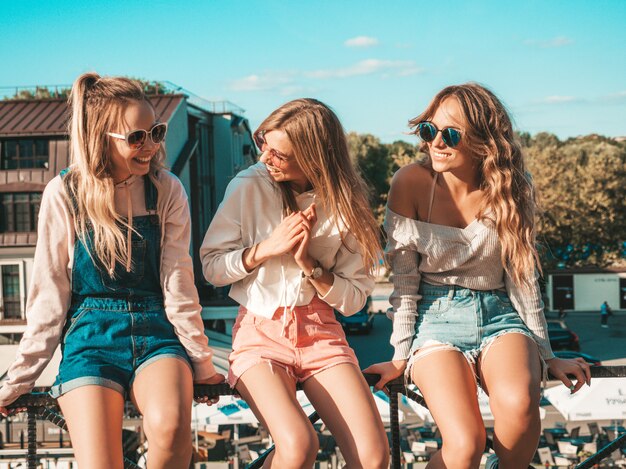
point(97, 105)
point(321, 151)
point(508, 189)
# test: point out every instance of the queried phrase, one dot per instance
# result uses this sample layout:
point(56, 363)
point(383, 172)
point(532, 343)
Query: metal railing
point(39, 404)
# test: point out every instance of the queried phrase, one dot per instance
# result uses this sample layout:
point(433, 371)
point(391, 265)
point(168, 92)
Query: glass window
point(19, 212)
point(11, 306)
point(26, 153)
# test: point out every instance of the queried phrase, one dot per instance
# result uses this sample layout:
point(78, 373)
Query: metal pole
point(395, 428)
point(32, 438)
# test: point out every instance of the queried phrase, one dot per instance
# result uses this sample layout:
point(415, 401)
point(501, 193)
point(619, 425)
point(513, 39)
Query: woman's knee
point(167, 428)
point(297, 448)
point(464, 448)
point(374, 456)
point(516, 404)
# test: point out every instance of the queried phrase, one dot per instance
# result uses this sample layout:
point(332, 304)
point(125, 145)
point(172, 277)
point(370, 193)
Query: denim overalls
point(117, 326)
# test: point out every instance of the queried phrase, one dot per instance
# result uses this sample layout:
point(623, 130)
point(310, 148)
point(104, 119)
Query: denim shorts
point(108, 341)
point(461, 319)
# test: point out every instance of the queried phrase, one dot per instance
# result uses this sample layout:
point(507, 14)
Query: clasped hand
point(293, 235)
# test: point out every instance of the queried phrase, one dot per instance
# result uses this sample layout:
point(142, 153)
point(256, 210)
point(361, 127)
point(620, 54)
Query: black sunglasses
point(428, 131)
point(137, 138)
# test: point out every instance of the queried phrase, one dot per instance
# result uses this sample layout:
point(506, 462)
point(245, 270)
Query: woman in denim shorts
point(113, 283)
point(281, 238)
point(467, 310)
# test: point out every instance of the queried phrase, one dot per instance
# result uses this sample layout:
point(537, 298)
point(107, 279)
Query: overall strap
point(432, 197)
point(151, 194)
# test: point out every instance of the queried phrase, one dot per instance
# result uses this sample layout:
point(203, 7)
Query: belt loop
point(451, 292)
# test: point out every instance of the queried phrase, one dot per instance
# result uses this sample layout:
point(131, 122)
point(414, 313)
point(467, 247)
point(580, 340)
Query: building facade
point(585, 289)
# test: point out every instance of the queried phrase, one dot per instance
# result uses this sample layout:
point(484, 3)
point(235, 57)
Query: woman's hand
point(282, 240)
point(562, 369)
point(300, 251)
point(387, 370)
point(6, 412)
point(217, 378)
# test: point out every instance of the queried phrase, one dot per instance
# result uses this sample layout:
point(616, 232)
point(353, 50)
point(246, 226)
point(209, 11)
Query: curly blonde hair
point(509, 192)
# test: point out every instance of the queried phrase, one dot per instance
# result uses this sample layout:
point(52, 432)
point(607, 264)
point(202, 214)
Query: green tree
point(372, 158)
point(581, 193)
point(48, 92)
point(41, 92)
point(403, 153)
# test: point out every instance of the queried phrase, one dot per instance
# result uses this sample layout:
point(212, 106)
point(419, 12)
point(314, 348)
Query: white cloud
point(558, 41)
point(270, 81)
point(291, 82)
point(615, 97)
point(410, 71)
point(298, 90)
point(558, 99)
point(361, 41)
point(365, 67)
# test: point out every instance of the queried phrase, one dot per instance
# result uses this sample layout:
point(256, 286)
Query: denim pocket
point(435, 306)
point(502, 298)
point(74, 320)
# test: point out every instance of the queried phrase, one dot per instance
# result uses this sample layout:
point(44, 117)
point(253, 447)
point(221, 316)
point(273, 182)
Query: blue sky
point(560, 66)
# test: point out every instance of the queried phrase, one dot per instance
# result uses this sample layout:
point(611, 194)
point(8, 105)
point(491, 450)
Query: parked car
point(561, 337)
point(571, 354)
point(360, 322)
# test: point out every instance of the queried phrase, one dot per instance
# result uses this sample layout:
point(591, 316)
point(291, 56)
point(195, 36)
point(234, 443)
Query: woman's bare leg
point(447, 383)
point(163, 392)
point(94, 418)
point(511, 375)
point(344, 401)
point(271, 394)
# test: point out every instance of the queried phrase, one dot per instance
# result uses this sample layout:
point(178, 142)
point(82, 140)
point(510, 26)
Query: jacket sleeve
point(352, 282)
point(222, 249)
point(49, 294)
point(182, 305)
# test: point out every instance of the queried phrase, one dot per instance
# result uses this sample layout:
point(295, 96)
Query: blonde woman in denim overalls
point(113, 283)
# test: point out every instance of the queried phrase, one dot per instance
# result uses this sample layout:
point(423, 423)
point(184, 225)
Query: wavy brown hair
point(509, 193)
point(321, 151)
point(97, 106)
